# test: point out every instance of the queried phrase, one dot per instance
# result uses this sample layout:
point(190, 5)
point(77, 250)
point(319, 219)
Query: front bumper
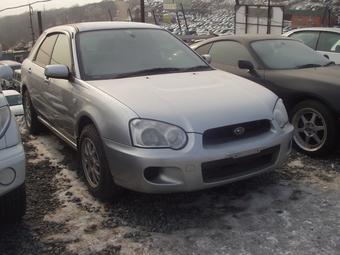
point(12, 168)
point(194, 167)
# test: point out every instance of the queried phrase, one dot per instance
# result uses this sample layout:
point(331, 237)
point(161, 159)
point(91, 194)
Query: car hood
point(17, 109)
point(3, 100)
point(329, 74)
point(194, 101)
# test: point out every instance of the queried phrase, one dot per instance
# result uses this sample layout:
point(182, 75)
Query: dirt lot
point(292, 210)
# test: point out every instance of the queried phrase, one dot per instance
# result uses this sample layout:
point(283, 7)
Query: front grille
point(231, 168)
point(227, 134)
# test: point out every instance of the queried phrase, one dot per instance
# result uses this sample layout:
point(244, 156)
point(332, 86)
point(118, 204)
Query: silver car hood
point(193, 101)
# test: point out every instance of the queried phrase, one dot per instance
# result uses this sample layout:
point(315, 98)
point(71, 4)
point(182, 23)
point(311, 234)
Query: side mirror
point(207, 58)
point(245, 64)
point(57, 71)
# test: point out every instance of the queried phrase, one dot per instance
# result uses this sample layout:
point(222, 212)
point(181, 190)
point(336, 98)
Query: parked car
point(17, 79)
point(7, 82)
point(12, 162)
point(14, 100)
point(307, 82)
point(325, 40)
point(146, 113)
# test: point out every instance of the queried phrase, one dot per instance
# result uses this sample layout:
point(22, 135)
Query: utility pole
point(327, 12)
point(185, 20)
point(142, 11)
point(30, 9)
point(31, 22)
point(268, 18)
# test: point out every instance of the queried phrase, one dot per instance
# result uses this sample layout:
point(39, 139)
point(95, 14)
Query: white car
point(325, 40)
point(12, 162)
point(14, 100)
point(7, 82)
point(17, 79)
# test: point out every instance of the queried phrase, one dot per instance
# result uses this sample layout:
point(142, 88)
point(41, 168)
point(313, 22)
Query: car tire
point(316, 128)
point(95, 167)
point(31, 120)
point(13, 204)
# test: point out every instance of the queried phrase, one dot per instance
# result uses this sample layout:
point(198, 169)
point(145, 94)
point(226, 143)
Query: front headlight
point(280, 113)
point(5, 118)
point(156, 134)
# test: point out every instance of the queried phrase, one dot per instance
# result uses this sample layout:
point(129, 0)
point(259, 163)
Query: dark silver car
point(307, 82)
point(146, 113)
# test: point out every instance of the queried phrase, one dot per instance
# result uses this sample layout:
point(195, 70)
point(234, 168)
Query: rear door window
point(229, 53)
point(310, 38)
point(62, 52)
point(328, 41)
point(43, 56)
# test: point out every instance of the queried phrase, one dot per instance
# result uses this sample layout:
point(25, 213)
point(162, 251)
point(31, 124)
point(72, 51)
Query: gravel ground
point(291, 210)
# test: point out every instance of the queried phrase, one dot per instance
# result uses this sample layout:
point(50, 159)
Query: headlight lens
point(280, 113)
point(5, 118)
point(156, 134)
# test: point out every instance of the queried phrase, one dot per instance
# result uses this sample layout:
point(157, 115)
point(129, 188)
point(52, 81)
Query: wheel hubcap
point(91, 164)
point(310, 129)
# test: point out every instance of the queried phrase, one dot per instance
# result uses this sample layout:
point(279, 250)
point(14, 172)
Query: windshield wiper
point(149, 71)
point(197, 68)
point(330, 63)
point(307, 66)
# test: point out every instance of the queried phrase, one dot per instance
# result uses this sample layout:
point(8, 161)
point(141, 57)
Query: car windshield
point(14, 99)
point(109, 54)
point(288, 54)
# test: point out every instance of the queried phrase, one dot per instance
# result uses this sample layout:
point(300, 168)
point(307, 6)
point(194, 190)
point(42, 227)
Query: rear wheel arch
point(23, 89)
point(31, 116)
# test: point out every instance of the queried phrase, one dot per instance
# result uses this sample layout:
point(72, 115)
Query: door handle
point(47, 81)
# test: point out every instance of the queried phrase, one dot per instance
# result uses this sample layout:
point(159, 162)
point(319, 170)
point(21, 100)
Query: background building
point(308, 18)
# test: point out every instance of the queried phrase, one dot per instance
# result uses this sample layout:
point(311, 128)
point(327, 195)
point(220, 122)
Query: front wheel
point(94, 165)
point(316, 128)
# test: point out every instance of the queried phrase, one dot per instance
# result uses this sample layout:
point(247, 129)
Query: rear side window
point(45, 51)
point(309, 38)
point(229, 53)
point(328, 41)
point(204, 49)
point(62, 52)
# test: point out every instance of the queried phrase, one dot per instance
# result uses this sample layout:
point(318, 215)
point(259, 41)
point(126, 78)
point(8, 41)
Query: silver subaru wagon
point(147, 113)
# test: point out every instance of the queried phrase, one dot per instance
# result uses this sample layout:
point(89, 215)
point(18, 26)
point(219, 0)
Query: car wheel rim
point(28, 115)
point(91, 163)
point(310, 129)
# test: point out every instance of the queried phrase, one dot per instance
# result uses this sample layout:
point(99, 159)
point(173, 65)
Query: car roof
point(243, 38)
point(10, 63)
point(102, 25)
point(327, 29)
point(10, 92)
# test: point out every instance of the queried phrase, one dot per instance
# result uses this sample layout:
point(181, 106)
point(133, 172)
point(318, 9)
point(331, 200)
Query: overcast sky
point(38, 5)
